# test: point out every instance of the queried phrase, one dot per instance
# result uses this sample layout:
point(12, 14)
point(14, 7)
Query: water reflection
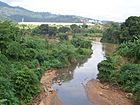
point(108, 48)
point(66, 74)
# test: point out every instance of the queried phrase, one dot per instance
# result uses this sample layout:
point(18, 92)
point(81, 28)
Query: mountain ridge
point(16, 13)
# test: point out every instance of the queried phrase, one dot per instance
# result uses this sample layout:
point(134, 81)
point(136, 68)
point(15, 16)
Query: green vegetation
point(24, 58)
point(123, 67)
point(64, 29)
point(121, 72)
point(111, 33)
point(130, 50)
point(116, 33)
point(81, 42)
point(64, 32)
point(130, 28)
point(45, 29)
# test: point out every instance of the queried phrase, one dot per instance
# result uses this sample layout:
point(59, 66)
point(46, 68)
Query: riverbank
point(104, 94)
point(47, 96)
point(97, 93)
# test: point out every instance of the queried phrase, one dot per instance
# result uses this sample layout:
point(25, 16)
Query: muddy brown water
point(74, 78)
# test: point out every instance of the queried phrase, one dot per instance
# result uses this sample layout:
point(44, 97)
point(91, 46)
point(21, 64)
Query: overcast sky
point(115, 10)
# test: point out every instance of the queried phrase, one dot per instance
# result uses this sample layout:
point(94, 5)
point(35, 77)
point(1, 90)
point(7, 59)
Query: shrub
point(29, 53)
point(129, 76)
point(63, 36)
point(5, 67)
point(14, 49)
point(136, 92)
point(26, 84)
point(106, 70)
point(7, 93)
point(81, 42)
point(130, 50)
point(54, 63)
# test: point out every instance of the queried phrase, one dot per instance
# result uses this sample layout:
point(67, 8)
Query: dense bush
point(106, 70)
point(136, 92)
point(63, 36)
point(23, 60)
point(119, 33)
point(4, 67)
point(127, 77)
point(112, 34)
point(124, 74)
point(81, 42)
point(64, 29)
point(7, 93)
point(26, 84)
point(130, 79)
point(130, 49)
point(45, 29)
point(130, 28)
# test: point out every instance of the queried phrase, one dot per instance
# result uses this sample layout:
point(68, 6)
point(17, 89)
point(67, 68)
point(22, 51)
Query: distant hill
point(18, 14)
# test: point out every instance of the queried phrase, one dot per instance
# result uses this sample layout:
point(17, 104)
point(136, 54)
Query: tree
point(52, 31)
point(42, 29)
point(63, 29)
point(84, 26)
point(75, 28)
point(112, 34)
point(14, 49)
point(8, 32)
point(63, 36)
point(130, 28)
point(28, 77)
point(45, 29)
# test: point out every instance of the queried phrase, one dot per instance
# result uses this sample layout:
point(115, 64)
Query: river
point(72, 90)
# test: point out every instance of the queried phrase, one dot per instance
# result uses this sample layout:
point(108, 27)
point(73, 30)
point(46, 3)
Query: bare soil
point(103, 94)
point(47, 96)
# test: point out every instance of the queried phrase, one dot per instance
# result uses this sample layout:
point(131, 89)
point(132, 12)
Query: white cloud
point(117, 10)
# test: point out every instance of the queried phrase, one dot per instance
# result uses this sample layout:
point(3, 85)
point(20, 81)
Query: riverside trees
point(118, 33)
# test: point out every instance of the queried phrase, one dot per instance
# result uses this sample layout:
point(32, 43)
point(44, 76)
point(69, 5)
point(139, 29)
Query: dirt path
point(99, 94)
point(47, 95)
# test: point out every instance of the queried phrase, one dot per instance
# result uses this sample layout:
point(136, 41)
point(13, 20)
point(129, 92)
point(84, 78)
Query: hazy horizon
point(111, 10)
